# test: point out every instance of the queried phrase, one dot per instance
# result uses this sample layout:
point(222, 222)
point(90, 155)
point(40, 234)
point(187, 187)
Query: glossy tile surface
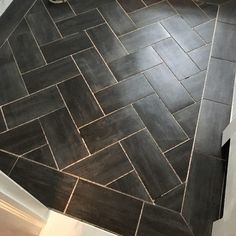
point(205, 30)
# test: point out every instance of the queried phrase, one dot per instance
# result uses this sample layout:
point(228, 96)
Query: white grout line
point(34, 149)
point(139, 220)
point(4, 119)
point(72, 9)
point(120, 177)
point(13, 166)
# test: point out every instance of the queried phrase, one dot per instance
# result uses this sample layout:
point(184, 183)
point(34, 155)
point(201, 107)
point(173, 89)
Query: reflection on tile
point(33, 106)
point(111, 128)
point(51, 187)
point(11, 84)
point(160, 221)
point(119, 213)
point(170, 90)
point(161, 124)
point(104, 166)
point(7, 161)
point(23, 138)
point(143, 37)
point(150, 164)
point(82, 105)
point(106, 42)
point(179, 158)
point(131, 5)
point(124, 93)
point(135, 63)
point(177, 60)
point(131, 184)
point(206, 30)
point(94, 69)
point(63, 137)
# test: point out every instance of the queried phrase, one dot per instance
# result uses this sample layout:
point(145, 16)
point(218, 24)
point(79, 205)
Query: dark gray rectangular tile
point(50, 74)
point(159, 121)
point(131, 5)
point(190, 12)
point(161, 221)
point(51, 187)
point(119, 213)
point(42, 155)
point(187, 118)
point(210, 9)
point(80, 101)
point(104, 166)
point(206, 30)
point(107, 43)
point(7, 161)
point(152, 167)
point(131, 184)
point(152, 14)
point(59, 11)
point(11, 83)
point(124, 93)
point(195, 84)
point(224, 47)
point(23, 138)
point(149, 2)
point(25, 49)
point(214, 118)
point(182, 33)
point(45, 31)
point(135, 63)
point(201, 56)
point(203, 193)
point(143, 37)
point(2, 122)
point(117, 18)
point(179, 158)
point(80, 22)
point(32, 106)
point(63, 137)
point(170, 90)
point(95, 71)
point(111, 129)
point(220, 81)
point(227, 13)
point(66, 46)
point(176, 59)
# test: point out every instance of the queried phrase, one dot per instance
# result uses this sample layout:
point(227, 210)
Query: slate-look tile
point(42, 155)
point(104, 166)
point(160, 122)
point(131, 184)
point(32, 106)
point(179, 158)
point(111, 128)
point(79, 23)
point(50, 74)
point(106, 42)
point(220, 81)
point(201, 209)
point(182, 33)
point(206, 30)
point(135, 63)
point(23, 138)
point(187, 118)
point(80, 101)
point(25, 49)
point(12, 85)
point(7, 161)
point(150, 164)
point(63, 137)
point(119, 213)
point(95, 71)
point(157, 221)
point(149, 2)
point(169, 51)
point(195, 84)
point(224, 47)
point(152, 14)
point(227, 12)
point(66, 46)
point(2, 122)
point(209, 9)
point(170, 90)
point(173, 199)
point(49, 186)
point(190, 12)
point(124, 93)
point(214, 118)
point(131, 5)
point(46, 31)
point(117, 18)
point(143, 37)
